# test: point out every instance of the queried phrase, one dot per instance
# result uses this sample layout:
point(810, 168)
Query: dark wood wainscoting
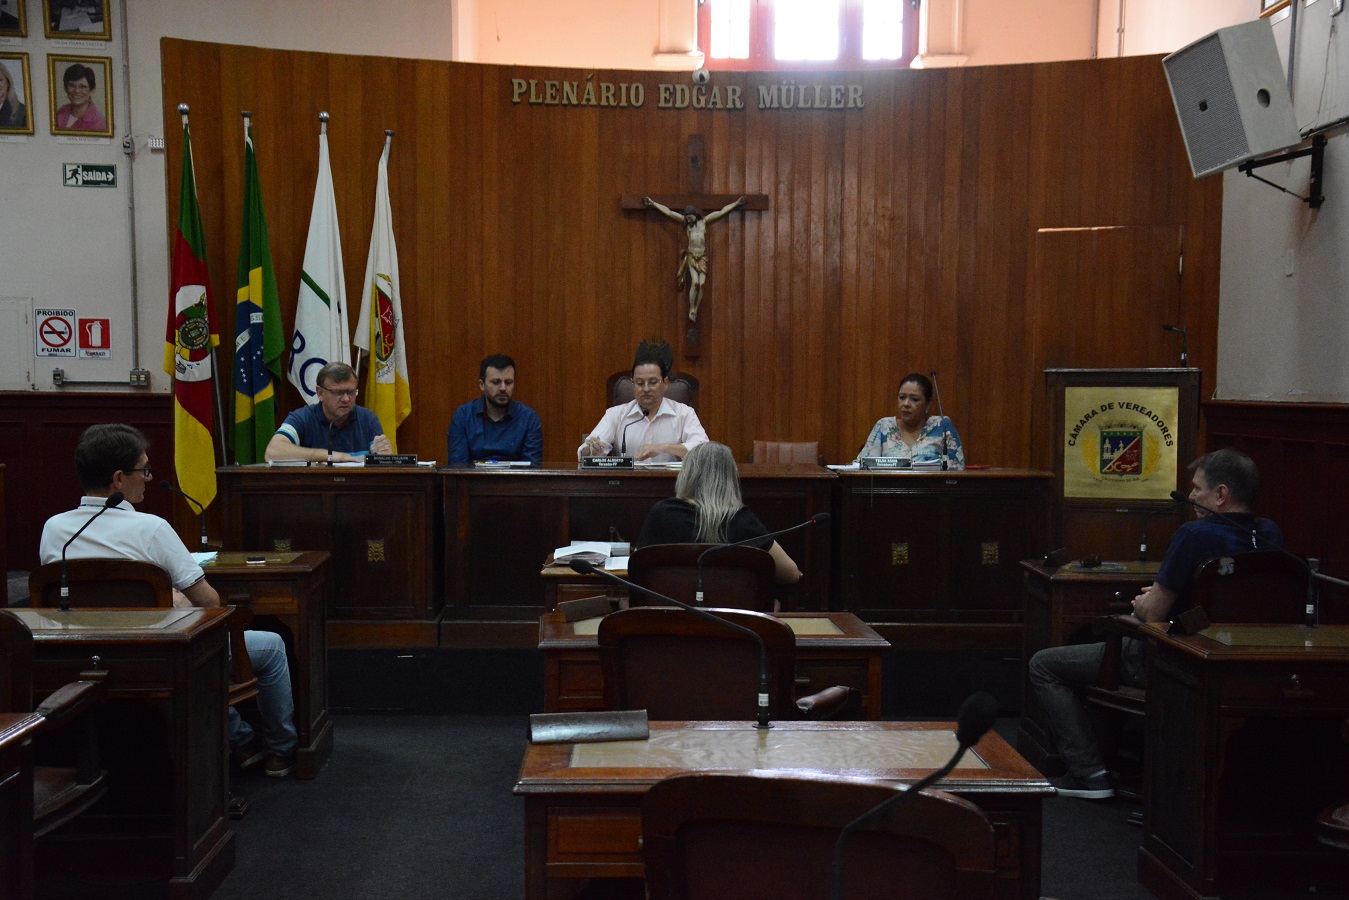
point(38, 434)
point(1302, 450)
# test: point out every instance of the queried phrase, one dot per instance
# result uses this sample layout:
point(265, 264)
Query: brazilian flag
point(258, 339)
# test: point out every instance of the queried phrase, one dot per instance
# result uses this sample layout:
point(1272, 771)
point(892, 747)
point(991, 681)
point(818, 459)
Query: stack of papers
point(594, 552)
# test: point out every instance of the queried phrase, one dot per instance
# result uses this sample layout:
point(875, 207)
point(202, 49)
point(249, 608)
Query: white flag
point(321, 333)
point(379, 328)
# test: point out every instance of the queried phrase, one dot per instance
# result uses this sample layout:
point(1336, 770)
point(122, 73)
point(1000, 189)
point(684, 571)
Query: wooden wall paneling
point(510, 232)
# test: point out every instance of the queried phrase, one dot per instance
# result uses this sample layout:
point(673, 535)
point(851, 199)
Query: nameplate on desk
point(606, 462)
point(885, 462)
point(376, 460)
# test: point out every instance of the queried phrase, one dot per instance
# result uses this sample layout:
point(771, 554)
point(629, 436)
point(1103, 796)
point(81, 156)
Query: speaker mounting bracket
point(1317, 151)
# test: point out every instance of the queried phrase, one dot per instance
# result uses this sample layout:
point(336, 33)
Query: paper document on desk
point(617, 564)
point(594, 552)
point(202, 558)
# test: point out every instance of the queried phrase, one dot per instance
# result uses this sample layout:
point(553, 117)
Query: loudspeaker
point(1231, 97)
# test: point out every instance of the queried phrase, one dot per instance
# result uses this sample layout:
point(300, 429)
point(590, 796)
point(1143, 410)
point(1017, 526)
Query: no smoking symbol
point(55, 332)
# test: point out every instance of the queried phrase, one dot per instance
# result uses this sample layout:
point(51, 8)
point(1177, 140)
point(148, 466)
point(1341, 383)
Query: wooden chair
point(61, 788)
point(683, 388)
point(734, 578)
point(763, 835)
point(680, 667)
point(787, 452)
point(102, 583)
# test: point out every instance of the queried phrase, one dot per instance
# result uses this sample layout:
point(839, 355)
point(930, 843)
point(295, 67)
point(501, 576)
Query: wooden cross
point(706, 203)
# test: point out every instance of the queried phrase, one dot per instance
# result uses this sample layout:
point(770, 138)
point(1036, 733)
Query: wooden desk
point(1060, 605)
point(16, 803)
point(380, 525)
point(583, 802)
point(162, 738)
point(932, 559)
point(516, 517)
point(831, 648)
point(1244, 748)
point(289, 588)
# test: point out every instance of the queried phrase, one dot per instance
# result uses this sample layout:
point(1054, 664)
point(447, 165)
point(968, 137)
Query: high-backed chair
point(707, 836)
point(683, 388)
point(734, 578)
point(679, 666)
point(61, 789)
point(787, 452)
point(100, 583)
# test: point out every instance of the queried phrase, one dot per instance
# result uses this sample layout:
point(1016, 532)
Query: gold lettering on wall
point(678, 95)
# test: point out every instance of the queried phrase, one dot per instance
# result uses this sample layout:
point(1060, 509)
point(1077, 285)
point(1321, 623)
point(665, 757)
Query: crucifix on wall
point(695, 211)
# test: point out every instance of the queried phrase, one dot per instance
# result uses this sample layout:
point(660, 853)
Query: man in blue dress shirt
point(495, 426)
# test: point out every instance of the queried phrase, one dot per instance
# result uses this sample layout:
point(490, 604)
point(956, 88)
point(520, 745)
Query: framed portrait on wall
point(13, 21)
point(86, 20)
point(16, 92)
point(1270, 7)
point(80, 91)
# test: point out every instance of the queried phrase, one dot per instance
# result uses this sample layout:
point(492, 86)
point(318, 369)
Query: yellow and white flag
point(379, 328)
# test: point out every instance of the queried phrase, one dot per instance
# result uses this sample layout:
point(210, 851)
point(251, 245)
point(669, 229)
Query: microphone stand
point(1184, 343)
point(945, 453)
point(201, 510)
point(114, 498)
point(975, 717)
point(588, 568)
point(818, 518)
point(623, 450)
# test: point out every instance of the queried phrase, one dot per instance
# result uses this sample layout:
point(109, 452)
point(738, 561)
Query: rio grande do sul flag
point(321, 334)
point(189, 344)
point(379, 327)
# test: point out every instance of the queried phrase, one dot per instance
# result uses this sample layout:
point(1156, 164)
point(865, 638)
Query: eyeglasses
point(643, 385)
point(145, 471)
point(349, 394)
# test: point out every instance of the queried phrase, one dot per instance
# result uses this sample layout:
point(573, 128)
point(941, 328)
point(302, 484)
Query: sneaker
point(250, 754)
point(278, 766)
point(1097, 787)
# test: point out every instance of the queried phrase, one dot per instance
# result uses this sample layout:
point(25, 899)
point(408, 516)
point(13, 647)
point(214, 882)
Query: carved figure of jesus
point(693, 259)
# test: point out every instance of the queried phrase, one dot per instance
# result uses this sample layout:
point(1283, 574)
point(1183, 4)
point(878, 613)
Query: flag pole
point(215, 356)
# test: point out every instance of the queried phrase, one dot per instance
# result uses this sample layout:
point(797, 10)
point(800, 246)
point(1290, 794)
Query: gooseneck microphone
point(114, 498)
point(975, 717)
point(945, 453)
point(201, 510)
point(623, 450)
point(817, 519)
point(1184, 343)
point(1223, 517)
point(1143, 536)
point(585, 567)
point(329, 444)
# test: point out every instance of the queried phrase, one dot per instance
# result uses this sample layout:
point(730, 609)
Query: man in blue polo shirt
point(1225, 481)
point(495, 426)
point(333, 430)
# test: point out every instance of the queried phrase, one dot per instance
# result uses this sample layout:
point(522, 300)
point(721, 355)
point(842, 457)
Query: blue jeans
point(267, 653)
point(1059, 674)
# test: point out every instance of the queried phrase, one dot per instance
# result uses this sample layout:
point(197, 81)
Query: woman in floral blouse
point(913, 434)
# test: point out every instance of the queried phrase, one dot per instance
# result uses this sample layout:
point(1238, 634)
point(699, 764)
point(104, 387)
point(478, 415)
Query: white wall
point(1160, 26)
point(70, 248)
point(1286, 337)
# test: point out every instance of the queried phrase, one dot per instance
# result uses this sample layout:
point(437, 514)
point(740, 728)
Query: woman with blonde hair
point(707, 509)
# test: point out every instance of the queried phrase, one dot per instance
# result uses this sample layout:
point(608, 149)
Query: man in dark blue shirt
point(1224, 481)
point(334, 429)
point(495, 426)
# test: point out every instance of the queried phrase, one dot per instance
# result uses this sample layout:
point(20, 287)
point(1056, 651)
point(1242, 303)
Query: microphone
point(1221, 517)
point(113, 499)
point(945, 454)
point(1143, 537)
point(330, 442)
point(623, 450)
point(1184, 343)
point(817, 519)
point(585, 567)
point(975, 717)
point(201, 510)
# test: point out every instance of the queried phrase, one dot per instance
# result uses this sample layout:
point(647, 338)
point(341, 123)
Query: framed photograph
point(1270, 7)
point(13, 22)
point(80, 90)
point(84, 20)
point(16, 92)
